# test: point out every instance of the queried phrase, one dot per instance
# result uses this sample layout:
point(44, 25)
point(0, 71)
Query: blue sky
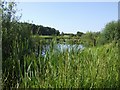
point(70, 17)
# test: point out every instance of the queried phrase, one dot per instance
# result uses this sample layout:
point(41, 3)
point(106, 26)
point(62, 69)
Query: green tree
point(15, 44)
point(79, 33)
point(62, 34)
point(8, 36)
point(110, 32)
point(90, 38)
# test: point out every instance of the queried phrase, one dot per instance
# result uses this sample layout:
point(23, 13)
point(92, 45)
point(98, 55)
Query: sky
point(69, 17)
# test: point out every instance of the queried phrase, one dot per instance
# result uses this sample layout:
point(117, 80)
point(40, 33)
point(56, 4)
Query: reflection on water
point(61, 48)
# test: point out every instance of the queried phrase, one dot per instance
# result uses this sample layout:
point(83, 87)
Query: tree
point(62, 34)
point(79, 33)
point(15, 44)
point(57, 32)
point(90, 38)
point(8, 38)
point(34, 29)
point(110, 32)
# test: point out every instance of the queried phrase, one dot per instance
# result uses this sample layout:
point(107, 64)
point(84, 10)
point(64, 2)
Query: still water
point(61, 47)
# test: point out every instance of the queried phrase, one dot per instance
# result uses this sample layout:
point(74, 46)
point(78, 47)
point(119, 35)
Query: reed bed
point(95, 67)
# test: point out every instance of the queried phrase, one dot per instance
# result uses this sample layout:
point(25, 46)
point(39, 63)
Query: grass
point(58, 37)
point(95, 67)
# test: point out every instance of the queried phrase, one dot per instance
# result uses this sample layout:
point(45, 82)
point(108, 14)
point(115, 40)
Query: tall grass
point(95, 67)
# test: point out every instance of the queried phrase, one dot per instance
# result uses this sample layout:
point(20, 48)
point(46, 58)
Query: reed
point(95, 67)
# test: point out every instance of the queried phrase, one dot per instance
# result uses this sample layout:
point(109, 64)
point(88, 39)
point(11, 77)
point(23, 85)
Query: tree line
point(41, 30)
point(109, 34)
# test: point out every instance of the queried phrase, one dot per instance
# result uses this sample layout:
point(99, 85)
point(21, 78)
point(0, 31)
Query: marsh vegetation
point(65, 63)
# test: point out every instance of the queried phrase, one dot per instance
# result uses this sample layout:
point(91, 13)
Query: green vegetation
point(95, 66)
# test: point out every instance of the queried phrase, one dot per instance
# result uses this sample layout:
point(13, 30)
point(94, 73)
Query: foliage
point(24, 66)
point(41, 30)
point(90, 39)
point(95, 67)
point(110, 32)
point(107, 35)
point(79, 33)
point(15, 39)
